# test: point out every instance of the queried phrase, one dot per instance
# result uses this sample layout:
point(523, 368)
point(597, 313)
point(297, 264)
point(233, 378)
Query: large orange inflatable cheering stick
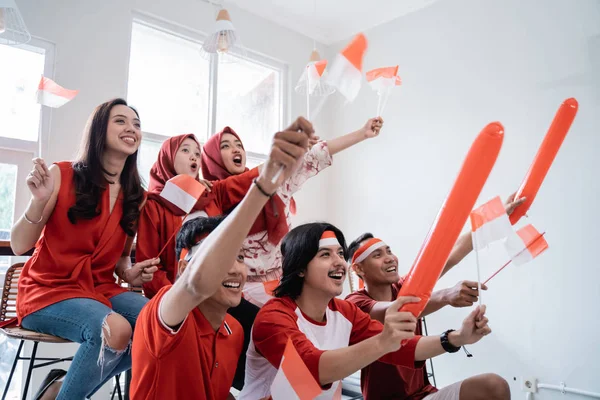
point(545, 156)
point(451, 219)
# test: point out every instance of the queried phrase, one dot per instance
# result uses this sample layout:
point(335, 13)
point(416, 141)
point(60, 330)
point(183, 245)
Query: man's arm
point(398, 326)
point(473, 328)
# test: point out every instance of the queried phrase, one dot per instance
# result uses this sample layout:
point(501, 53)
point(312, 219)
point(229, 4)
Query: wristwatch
point(446, 343)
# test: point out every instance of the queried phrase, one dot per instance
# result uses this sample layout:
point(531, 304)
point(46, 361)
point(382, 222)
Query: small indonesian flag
point(259, 293)
point(51, 94)
point(345, 74)
point(489, 223)
point(293, 379)
point(182, 191)
point(382, 79)
point(525, 245)
point(314, 72)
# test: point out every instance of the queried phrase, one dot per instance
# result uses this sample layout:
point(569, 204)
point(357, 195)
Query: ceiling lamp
point(312, 81)
point(12, 27)
point(224, 41)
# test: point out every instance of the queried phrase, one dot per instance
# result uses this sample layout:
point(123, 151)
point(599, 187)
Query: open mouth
point(237, 160)
point(337, 275)
point(391, 269)
point(128, 139)
point(232, 284)
point(194, 166)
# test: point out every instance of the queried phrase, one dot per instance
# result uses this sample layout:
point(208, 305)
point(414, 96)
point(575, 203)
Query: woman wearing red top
point(79, 220)
point(159, 219)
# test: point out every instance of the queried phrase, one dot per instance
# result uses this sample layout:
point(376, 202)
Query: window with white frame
point(177, 91)
point(22, 125)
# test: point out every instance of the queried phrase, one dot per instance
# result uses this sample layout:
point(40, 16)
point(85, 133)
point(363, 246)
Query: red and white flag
point(382, 79)
point(53, 95)
point(345, 74)
point(489, 223)
point(259, 293)
point(525, 245)
point(182, 191)
point(293, 379)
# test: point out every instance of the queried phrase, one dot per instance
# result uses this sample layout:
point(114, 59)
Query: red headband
point(366, 249)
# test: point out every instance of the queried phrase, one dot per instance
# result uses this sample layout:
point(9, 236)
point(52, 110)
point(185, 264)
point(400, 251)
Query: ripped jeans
point(81, 320)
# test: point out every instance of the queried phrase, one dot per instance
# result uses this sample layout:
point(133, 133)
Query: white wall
point(92, 54)
point(92, 40)
point(465, 63)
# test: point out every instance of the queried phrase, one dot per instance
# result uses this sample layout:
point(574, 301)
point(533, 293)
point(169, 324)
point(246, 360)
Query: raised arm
point(341, 143)
point(218, 251)
point(44, 184)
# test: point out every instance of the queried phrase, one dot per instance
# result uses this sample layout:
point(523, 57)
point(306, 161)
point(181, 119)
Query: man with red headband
point(185, 345)
point(377, 267)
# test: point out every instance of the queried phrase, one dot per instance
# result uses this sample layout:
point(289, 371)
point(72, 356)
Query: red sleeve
point(405, 356)
point(276, 322)
point(362, 301)
point(148, 245)
point(230, 191)
point(363, 327)
point(159, 338)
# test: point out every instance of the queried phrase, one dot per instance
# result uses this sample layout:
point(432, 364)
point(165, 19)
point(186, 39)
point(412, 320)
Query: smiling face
point(380, 267)
point(229, 293)
point(326, 272)
point(123, 132)
point(233, 154)
point(187, 158)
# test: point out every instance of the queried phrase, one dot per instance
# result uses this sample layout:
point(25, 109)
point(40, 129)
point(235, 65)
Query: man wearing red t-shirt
point(185, 345)
point(377, 266)
point(332, 336)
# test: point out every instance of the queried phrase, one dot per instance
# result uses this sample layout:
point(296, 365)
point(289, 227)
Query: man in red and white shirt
point(185, 345)
point(332, 336)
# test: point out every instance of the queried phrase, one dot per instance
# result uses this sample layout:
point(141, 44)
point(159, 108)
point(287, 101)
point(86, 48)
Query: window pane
point(168, 82)
point(148, 153)
point(248, 100)
point(20, 72)
point(8, 185)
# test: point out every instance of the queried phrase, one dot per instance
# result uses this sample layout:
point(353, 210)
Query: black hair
point(89, 175)
point(356, 244)
point(189, 232)
point(298, 248)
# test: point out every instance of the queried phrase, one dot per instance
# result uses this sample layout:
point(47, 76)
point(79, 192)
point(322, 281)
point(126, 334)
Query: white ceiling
point(335, 20)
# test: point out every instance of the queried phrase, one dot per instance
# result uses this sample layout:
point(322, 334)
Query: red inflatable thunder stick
point(545, 156)
point(451, 218)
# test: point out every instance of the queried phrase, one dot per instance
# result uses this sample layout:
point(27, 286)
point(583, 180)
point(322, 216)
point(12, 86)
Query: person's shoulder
point(64, 164)
point(233, 327)
point(153, 204)
point(347, 308)
point(279, 303)
point(358, 295)
point(277, 306)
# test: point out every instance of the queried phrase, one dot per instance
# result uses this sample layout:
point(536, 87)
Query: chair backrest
point(8, 303)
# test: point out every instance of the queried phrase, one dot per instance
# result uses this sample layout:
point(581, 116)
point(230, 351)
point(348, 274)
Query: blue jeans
point(80, 320)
